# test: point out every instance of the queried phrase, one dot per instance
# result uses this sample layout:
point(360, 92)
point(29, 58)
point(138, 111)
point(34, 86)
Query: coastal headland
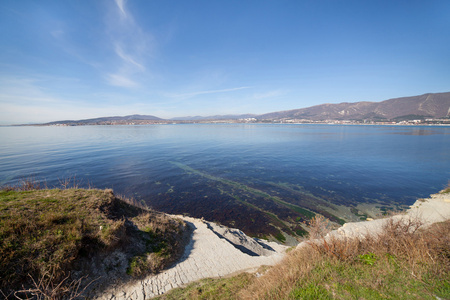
point(177, 250)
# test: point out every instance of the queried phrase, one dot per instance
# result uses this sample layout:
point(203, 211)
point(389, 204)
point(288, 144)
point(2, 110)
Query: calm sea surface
point(200, 168)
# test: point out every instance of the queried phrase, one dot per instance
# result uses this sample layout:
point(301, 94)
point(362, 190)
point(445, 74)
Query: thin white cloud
point(131, 45)
point(121, 80)
point(121, 5)
point(127, 58)
point(193, 94)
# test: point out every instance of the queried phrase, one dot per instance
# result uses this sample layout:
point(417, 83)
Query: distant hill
point(428, 105)
point(216, 117)
point(105, 120)
point(431, 105)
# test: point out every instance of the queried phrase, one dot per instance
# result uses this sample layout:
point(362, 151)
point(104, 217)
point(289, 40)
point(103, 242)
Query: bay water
point(203, 169)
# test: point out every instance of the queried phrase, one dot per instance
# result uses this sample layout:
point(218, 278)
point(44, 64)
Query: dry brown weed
point(418, 251)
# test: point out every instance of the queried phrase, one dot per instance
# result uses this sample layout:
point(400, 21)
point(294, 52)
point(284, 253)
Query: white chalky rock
point(214, 251)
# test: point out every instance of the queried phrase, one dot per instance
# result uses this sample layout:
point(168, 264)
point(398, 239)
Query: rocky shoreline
point(213, 251)
point(426, 211)
point(218, 251)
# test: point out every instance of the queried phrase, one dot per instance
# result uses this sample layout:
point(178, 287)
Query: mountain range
point(435, 105)
point(431, 105)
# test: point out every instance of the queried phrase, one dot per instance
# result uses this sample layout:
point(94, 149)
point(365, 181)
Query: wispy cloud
point(127, 58)
point(121, 5)
point(120, 80)
point(131, 45)
point(197, 93)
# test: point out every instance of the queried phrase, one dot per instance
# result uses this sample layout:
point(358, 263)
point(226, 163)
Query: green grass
point(311, 291)
point(43, 231)
point(48, 231)
point(446, 190)
point(385, 279)
point(397, 264)
point(211, 288)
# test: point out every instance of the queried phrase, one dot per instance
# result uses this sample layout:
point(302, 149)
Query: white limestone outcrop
point(214, 251)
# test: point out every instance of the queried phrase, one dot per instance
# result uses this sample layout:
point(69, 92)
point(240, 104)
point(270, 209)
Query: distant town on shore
point(427, 109)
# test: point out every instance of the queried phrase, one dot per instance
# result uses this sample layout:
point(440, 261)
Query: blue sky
point(81, 59)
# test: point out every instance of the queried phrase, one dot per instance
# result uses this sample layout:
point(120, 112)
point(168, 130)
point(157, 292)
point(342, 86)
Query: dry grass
point(46, 288)
point(446, 190)
point(30, 183)
point(43, 231)
point(211, 288)
point(402, 262)
point(25, 184)
point(48, 231)
point(319, 227)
